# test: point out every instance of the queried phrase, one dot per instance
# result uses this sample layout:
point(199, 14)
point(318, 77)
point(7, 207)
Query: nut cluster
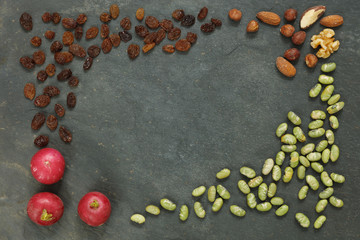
point(326, 41)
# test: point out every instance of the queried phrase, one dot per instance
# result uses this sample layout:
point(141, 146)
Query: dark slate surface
point(163, 124)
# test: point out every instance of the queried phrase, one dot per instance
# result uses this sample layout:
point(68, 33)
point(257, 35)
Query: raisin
point(106, 45)
point(37, 121)
point(29, 91)
point(46, 17)
point(152, 22)
point(81, 19)
point(65, 134)
point(77, 50)
point(216, 22)
point(182, 45)
point(133, 51)
point(27, 62)
point(68, 38)
point(73, 81)
point(104, 30)
point(166, 24)
point(56, 46)
point(191, 37)
point(114, 11)
point(51, 91)
point(150, 38)
point(115, 39)
point(168, 48)
point(105, 17)
point(49, 35)
point(50, 70)
point(148, 47)
point(78, 32)
point(71, 100)
point(141, 31)
point(188, 20)
point(69, 23)
point(174, 33)
point(92, 33)
point(42, 101)
point(140, 14)
point(26, 21)
point(39, 57)
point(59, 110)
point(63, 57)
point(52, 122)
point(36, 41)
point(41, 141)
point(93, 51)
point(203, 13)
point(56, 18)
point(160, 35)
point(125, 23)
point(125, 36)
point(41, 76)
point(178, 14)
point(64, 74)
point(207, 27)
point(87, 64)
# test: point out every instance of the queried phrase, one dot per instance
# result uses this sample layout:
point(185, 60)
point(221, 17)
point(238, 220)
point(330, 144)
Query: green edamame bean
point(137, 218)
point(326, 193)
point(276, 173)
point(217, 205)
point(313, 182)
point(288, 173)
point(251, 200)
point(294, 159)
point(295, 119)
point(288, 139)
point(288, 148)
point(325, 79)
point(317, 167)
point(264, 207)
point(301, 172)
point(334, 99)
point(255, 182)
point(167, 204)
point(303, 192)
point(334, 153)
point(212, 193)
point(304, 161)
point(337, 178)
point(335, 107)
point(299, 134)
point(197, 192)
point(334, 122)
point(325, 179)
point(277, 201)
point(247, 172)
point(328, 67)
point(315, 90)
point(199, 210)
point(336, 202)
point(237, 211)
point(223, 192)
point(224, 173)
point(319, 222)
point(272, 190)
point(321, 145)
point(308, 148)
point(303, 220)
point(318, 115)
point(152, 209)
point(327, 92)
point(330, 136)
point(281, 211)
point(325, 155)
point(321, 205)
point(281, 129)
point(316, 133)
point(244, 188)
point(280, 156)
point(314, 156)
point(268, 166)
point(316, 124)
point(262, 191)
point(184, 213)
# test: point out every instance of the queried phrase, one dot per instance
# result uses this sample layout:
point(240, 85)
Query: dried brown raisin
point(168, 48)
point(39, 57)
point(56, 46)
point(64, 74)
point(68, 38)
point(150, 38)
point(78, 32)
point(92, 33)
point(88, 63)
point(125, 36)
point(81, 19)
point(106, 45)
point(41, 76)
point(77, 50)
point(141, 31)
point(71, 100)
point(46, 17)
point(216, 22)
point(63, 57)
point(36, 41)
point(160, 35)
point(140, 13)
point(207, 27)
point(51, 91)
point(182, 45)
point(188, 20)
point(93, 51)
point(49, 35)
point(191, 37)
point(115, 39)
point(29, 91)
point(50, 70)
point(69, 23)
point(65, 134)
point(104, 30)
point(133, 51)
point(41, 141)
point(178, 14)
point(105, 17)
point(73, 81)
point(174, 33)
point(26, 21)
point(203, 13)
point(114, 11)
point(148, 47)
point(52, 122)
point(125, 23)
point(59, 110)
point(42, 101)
point(166, 24)
point(152, 22)
point(56, 18)
point(27, 62)
point(37, 121)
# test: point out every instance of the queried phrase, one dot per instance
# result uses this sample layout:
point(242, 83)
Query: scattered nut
point(285, 67)
point(269, 18)
point(290, 15)
point(311, 60)
point(298, 38)
point(332, 21)
point(235, 14)
point(311, 15)
point(253, 26)
point(326, 41)
point(292, 54)
point(287, 30)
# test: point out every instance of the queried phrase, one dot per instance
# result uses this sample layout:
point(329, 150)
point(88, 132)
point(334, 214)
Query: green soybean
point(197, 192)
point(316, 124)
point(262, 191)
point(334, 122)
point(327, 92)
point(325, 79)
point(288, 148)
point(338, 178)
point(316, 133)
point(328, 67)
point(325, 179)
point(308, 148)
point(276, 173)
point(199, 210)
point(303, 192)
point(336, 202)
point(319, 222)
point(251, 200)
point(318, 115)
point(314, 156)
point(248, 172)
point(315, 90)
point(317, 167)
point(334, 153)
point(212, 193)
point(295, 119)
point(321, 205)
point(313, 182)
point(326, 193)
point(288, 173)
point(299, 134)
point(152, 209)
point(321, 145)
point(255, 182)
point(288, 139)
point(325, 156)
point(281, 211)
point(217, 205)
point(224, 173)
point(223, 192)
point(167, 204)
point(277, 201)
point(334, 99)
point(184, 213)
point(303, 220)
point(304, 161)
point(138, 218)
point(243, 187)
point(279, 159)
point(237, 211)
point(264, 207)
point(301, 172)
point(281, 129)
point(272, 190)
point(268, 166)
point(330, 136)
point(335, 107)
point(294, 159)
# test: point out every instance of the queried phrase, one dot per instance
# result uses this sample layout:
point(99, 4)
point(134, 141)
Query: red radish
point(47, 166)
point(94, 208)
point(45, 208)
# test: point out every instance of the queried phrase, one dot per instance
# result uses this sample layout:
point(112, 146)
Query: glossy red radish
point(45, 208)
point(94, 208)
point(47, 166)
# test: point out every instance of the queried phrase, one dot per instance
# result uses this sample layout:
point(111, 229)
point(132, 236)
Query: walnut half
point(326, 41)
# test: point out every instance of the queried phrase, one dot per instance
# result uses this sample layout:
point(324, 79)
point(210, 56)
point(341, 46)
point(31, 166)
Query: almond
point(269, 18)
point(311, 15)
point(332, 21)
point(285, 67)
